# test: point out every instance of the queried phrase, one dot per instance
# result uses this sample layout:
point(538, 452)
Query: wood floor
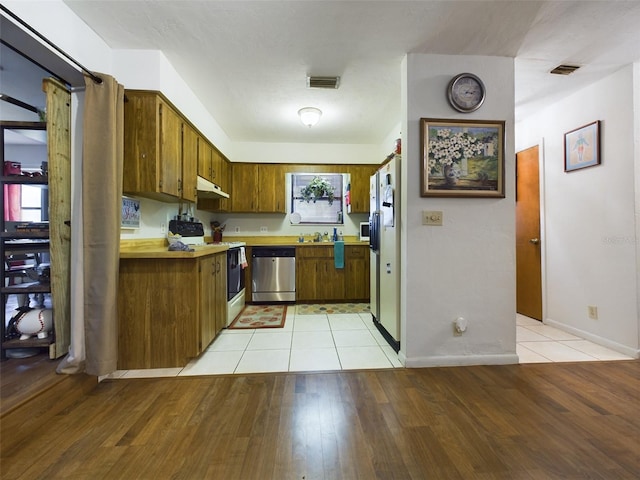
point(537, 421)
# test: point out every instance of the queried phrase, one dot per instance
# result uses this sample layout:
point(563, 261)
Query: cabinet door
point(170, 164)
point(360, 175)
point(357, 273)
point(224, 204)
point(317, 278)
point(205, 152)
point(307, 279)
point(331, 280)
point(207, 270)
point(216, 167)
point(189, 163)
point(271, 188)
point(244, 185)
point(142, 113)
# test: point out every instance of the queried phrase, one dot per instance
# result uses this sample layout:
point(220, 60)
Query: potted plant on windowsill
point(316, 189)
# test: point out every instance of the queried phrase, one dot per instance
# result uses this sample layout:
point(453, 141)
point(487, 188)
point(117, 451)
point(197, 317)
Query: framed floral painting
point(582, 147)
point(462, 158)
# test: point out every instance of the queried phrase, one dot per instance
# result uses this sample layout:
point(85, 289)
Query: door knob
point(535, 241)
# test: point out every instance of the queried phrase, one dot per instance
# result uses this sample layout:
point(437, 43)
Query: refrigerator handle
point(374, 232)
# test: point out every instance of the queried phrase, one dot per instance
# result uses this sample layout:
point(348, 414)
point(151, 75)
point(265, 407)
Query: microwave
point(364, 231)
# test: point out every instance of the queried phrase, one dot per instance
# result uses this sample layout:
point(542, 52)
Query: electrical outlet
point(456, 332)
point(237, 229)
point(593, 312)
point(263, 229)
point(433, 218)
point(163, 228)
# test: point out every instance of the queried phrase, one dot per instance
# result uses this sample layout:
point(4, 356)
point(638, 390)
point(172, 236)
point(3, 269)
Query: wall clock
point(466, 92)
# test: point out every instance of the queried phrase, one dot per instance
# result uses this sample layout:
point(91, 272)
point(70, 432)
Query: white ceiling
point(247, 61)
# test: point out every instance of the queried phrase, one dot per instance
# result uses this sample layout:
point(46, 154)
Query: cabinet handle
point(179, 184)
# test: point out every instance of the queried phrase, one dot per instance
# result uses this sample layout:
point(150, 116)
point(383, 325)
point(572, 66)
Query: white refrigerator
point(384, 247)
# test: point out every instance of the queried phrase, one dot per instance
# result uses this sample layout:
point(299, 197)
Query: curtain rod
point(93, 76)
point(19, 103)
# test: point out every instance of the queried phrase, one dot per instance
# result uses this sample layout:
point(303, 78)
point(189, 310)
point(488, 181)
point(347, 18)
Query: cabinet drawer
point(356, 251)
point(323, 251)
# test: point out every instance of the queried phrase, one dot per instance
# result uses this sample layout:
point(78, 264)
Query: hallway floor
point(540, 343)
point(329, 342)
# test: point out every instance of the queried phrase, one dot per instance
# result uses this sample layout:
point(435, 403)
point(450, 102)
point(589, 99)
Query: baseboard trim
point(462, 360)
point(605, 342)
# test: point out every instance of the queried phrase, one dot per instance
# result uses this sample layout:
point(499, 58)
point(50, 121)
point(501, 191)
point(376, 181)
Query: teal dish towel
point(338, 254)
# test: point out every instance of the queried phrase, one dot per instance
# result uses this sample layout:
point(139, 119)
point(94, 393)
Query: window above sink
point(317, 198)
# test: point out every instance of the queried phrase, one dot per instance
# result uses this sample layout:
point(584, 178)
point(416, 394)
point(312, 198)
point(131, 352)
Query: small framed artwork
point(130, 213)
point(462, 158)
point(582, 147)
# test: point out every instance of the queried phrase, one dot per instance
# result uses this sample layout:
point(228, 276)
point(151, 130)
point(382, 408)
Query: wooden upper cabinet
point(189, 163)
point(169, 162)
point(360, 175)
point(152, 147)
point(244, 187)
point(258, 187)
point(271, 188)
point(216, 167)
point(163, 152)
point(261, 187)
point(224, 181)
point(205, 152)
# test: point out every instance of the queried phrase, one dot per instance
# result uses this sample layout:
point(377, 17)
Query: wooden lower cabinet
point(357, 265)
point(318, 280)
point(169, 310)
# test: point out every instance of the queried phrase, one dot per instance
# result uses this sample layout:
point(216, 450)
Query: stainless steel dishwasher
point(273, 274)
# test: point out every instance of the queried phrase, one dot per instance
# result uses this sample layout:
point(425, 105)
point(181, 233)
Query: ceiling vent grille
point(565, 69)
point(323, 82)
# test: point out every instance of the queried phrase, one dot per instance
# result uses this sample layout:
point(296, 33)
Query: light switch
point(432, 217)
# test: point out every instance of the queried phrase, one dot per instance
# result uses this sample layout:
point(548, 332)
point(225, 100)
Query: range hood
point(207, 189)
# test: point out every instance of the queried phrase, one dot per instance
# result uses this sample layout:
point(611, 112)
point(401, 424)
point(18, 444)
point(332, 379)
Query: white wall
point(591, 215)
point(150, 70)
point(467, 266)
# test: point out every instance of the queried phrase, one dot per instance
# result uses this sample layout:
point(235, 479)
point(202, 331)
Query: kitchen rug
point(316, 308)
point(260, 316)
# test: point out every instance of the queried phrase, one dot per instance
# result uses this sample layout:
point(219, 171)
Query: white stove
point(193, 240)
point(230, 244)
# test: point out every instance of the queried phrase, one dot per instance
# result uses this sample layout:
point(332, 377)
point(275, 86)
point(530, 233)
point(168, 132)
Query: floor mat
point(260, 316)
point(316, 308)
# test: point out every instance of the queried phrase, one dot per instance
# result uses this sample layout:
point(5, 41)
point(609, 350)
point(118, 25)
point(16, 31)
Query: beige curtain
point(94, 334)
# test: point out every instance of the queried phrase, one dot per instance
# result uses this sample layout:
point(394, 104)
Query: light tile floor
point(540, 343)
point(309, 343)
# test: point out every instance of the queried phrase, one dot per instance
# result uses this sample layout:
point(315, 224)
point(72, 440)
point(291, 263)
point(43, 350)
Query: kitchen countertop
point(158, 248)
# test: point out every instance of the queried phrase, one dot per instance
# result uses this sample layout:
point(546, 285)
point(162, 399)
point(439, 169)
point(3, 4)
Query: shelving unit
point(23, 243)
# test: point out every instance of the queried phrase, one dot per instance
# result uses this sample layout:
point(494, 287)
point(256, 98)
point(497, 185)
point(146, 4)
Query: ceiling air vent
point(565, 69)
point(323, 82)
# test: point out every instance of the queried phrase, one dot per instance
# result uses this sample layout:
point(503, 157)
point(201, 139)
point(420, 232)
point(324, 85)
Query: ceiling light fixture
point(310, 115)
